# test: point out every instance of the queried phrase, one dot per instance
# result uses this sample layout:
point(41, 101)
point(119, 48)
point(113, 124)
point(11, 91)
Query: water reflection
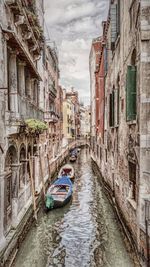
point(82, 234)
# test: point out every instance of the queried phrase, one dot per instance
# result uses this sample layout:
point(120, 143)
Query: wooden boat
point(73, 158)
point(59, 193)
point(67, 170)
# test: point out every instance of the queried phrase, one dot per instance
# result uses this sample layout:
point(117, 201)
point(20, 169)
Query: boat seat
point(59, 193)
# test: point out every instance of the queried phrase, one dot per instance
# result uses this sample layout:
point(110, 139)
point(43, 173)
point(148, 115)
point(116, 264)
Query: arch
point(29, 150)
point(10, 159)
point(22, 155)
point(35, 149)
point(22, 170)
point(11, 156)
point(133, 57)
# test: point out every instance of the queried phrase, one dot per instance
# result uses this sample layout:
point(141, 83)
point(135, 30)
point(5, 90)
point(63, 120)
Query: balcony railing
point(29, 110)
point(50, 116)
point(52, 90)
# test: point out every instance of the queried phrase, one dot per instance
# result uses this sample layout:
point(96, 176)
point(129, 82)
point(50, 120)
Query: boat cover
point(63, 180)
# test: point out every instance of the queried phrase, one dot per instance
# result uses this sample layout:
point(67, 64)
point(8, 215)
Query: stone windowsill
point(131, 122)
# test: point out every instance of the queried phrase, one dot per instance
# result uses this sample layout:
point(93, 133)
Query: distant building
point(84, 121)
point(94, 88)
point(51, 95)
point(73, 96)
point(68, 118)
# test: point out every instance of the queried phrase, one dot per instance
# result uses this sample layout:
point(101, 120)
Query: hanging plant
point(34, 126)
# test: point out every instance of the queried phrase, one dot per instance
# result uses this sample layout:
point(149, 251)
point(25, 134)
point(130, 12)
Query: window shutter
point(113, 15)
point(131, 93)
point(118, 17)
point(106, 59)
point(110, 110)
point(113, 108)
point(118, 105)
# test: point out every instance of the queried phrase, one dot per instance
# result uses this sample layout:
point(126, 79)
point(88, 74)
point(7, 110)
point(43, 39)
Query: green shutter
point(131, 93)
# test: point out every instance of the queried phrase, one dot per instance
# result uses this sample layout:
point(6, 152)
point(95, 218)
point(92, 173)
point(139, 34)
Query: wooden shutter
point(131, 93)
point(113, 15)
point(105, 59)
point(118, 105)
point(118, 17)
point(111, 109)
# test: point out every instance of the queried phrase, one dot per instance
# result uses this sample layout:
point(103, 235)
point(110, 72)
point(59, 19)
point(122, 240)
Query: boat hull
point(59, 204)
point(59, 193)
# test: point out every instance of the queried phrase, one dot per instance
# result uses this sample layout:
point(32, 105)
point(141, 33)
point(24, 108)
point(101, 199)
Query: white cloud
point(73, 24)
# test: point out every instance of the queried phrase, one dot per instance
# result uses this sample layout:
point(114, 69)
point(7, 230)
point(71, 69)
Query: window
point(131, 93)
point(27, 77)
point(132, 14)
point(115, 22)
point(106, 155)
point(18, 82)
point(111, 109)
point(8, 77)
point(132, 179)
point(35, 91)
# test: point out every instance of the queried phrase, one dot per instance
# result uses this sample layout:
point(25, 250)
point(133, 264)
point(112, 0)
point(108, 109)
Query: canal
point(85, 233)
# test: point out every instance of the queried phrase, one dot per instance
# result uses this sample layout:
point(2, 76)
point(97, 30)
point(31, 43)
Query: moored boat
point(59, 193)
point(66, 170)
point(72, 158)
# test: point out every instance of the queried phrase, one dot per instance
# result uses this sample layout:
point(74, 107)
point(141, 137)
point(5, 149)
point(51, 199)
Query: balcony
point(52, 90)
point(26, 110)
point(50, 116)
point(29, 110)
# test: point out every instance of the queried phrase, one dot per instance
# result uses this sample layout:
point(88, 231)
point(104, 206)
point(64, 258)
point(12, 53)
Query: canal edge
point(129, 240)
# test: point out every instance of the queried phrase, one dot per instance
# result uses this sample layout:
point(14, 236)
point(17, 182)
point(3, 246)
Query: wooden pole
point(49, 168)
point(32, 187)
point(41, 167)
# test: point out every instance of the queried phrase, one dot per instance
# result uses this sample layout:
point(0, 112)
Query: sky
point(72, 24)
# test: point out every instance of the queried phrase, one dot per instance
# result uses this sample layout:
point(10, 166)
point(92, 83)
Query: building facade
point(73, 96)
point(21, 40)
point(51, 95)
point(84, 121)
point(125, 156)
point(94, 88)
point(68, 118)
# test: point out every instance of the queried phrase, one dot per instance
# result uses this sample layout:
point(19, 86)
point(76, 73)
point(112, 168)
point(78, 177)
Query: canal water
point(85, 233)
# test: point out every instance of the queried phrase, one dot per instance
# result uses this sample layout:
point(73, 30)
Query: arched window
point(11, 158)
point(133, 57)
point(22, 172)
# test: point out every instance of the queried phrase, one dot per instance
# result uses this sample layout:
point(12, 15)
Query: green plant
point(34, 126)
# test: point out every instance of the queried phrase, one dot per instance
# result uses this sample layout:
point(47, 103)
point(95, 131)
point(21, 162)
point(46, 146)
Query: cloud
point(73, 24)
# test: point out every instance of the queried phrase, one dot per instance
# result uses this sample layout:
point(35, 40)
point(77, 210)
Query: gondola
point(59, 193)
point(67, 170)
